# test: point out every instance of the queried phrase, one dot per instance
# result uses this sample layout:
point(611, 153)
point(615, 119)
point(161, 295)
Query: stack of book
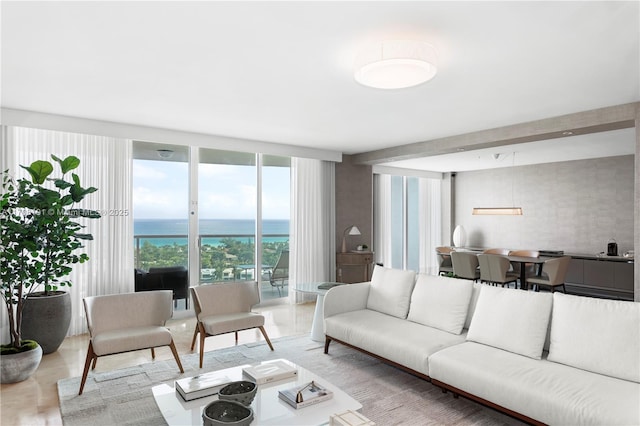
point(202, 385)
point(270, 371)
point(305, 395)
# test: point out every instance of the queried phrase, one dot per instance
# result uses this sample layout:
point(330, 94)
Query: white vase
point(459, 236)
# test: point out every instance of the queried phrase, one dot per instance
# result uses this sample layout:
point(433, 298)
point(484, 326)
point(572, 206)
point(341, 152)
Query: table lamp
point(351, 230)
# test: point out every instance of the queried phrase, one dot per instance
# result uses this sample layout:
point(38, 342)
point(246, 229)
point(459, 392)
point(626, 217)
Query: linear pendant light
point(515, 211)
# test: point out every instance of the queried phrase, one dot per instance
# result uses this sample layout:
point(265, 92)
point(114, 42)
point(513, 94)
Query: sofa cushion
point(551, 393)
point(597, 335)
point(404, 342)
point(510, 319)
point(472, 304)
point(440, 302)
point(390, 291)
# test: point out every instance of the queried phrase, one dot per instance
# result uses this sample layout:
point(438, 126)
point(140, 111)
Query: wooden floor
point(35, 401)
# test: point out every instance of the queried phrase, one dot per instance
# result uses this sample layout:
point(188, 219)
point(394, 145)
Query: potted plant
point(40, 238)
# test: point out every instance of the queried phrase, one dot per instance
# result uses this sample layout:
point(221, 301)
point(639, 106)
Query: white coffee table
point(268, 409)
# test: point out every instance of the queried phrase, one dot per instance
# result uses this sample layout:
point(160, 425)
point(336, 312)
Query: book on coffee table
point(305, 395)
point(268, 372)
point(201, 385)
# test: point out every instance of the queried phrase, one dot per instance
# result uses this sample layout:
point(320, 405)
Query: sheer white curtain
point(312, 240)
point(382, 240)
point(105, 163)
point(430, 215)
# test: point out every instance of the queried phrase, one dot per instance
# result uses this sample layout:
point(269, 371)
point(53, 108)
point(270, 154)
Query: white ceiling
point(282, 71)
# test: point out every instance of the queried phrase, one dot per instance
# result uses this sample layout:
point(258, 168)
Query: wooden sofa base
point(445, 387)
point(385, 360)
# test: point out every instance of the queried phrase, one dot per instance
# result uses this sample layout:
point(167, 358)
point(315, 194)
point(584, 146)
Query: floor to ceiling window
point(231, 193)
point(406, 221)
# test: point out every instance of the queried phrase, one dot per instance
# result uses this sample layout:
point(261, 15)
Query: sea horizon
point(174, 231)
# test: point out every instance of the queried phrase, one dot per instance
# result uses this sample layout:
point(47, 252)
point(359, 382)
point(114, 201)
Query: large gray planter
point(46, 319)
point(15, 368)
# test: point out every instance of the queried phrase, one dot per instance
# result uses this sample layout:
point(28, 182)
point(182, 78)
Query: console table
point(353, 266)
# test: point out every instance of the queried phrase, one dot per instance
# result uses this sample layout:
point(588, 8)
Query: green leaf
point(39, 170)
point(69, 163)
point(62, 184)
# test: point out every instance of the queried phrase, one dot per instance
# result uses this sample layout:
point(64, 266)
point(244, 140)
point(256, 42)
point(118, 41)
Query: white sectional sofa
point(543, 358)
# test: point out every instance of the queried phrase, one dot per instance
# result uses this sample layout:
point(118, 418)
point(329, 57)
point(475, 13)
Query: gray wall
point(354, 202)
point(575, 206)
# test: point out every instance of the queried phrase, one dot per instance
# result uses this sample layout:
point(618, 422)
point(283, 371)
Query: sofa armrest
point(346, 298)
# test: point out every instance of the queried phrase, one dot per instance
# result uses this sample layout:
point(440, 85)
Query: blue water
point(218, 227)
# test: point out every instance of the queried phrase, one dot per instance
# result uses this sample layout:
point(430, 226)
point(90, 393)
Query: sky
point(161, 191)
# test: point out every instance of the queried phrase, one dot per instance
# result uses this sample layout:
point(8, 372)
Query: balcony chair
point(224, 308)
point(553, 274)
point(279, 276)
point(465, 265)
point(127, 322)
point(444, 260)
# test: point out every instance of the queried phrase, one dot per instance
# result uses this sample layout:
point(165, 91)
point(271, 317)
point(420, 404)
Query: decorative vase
point(20, 366)
point(242, 391)
point(226, 413)
point(46, 319)
point(459, 236)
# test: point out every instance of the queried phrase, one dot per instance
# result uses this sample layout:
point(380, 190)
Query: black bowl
point(227, 413)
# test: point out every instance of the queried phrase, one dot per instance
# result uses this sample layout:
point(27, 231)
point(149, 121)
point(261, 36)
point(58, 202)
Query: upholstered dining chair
point(553, 274)
point(127, 322)
point(465, 265)
point(485, 268)
point(499, 270)
point(530, 268)
point(500, 251)
point(444, 260)
point(225, 308)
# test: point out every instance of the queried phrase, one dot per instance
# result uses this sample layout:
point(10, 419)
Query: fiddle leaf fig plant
point(40, 234)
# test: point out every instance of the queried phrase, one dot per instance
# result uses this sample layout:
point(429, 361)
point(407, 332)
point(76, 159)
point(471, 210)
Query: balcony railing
point(221, 257)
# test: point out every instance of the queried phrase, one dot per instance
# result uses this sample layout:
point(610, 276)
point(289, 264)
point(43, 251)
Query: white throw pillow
point(440, 302)
point(510, 319)
point(390, 291)
point(602, 336)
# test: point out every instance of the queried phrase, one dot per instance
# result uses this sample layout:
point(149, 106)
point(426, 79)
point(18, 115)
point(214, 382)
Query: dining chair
point(465, 265)
point(553, 274)
point(444, 260)
point(500, 251)
point(127, 322)
point(226, 308)
point(485, 272)
point(530, 268)
point(499, 270)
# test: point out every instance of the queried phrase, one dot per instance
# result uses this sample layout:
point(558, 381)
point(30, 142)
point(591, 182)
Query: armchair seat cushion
point(219, 324)
point(130, 339)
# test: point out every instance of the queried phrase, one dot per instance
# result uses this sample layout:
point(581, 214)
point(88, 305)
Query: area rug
point(389, 396)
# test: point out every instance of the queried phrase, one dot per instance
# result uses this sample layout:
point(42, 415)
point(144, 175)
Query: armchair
point(225, 308)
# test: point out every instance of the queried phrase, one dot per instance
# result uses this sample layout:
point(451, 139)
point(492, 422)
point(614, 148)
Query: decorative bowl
point(242, 391)
point(226, 413)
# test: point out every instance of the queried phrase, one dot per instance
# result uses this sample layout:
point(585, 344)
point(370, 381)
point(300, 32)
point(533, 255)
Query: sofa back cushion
point(390, 291)
point(440, 302)
point(510, 319)
point(602, 336)
point(472, 304)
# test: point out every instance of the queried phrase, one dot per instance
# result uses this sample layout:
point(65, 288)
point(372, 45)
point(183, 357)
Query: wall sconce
point(351, 230)
point(514, 211)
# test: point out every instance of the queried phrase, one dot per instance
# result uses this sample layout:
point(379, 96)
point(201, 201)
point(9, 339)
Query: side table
point(317, 326)
point(354, 260)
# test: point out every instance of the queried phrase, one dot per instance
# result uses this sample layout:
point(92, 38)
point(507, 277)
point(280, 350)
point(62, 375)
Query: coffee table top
point(268, 409)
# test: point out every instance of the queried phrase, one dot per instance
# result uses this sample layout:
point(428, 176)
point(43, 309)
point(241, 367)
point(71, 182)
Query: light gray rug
point(388, 395)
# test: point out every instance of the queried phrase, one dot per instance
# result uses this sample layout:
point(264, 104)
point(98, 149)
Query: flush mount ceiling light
point(396, 64)
point(165, 153)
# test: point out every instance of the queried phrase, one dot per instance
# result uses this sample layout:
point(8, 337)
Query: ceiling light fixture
point(396, 64)
point(511, 211)
point(165, 153)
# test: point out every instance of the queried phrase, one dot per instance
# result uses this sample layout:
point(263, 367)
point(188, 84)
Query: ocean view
point(213, 230)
